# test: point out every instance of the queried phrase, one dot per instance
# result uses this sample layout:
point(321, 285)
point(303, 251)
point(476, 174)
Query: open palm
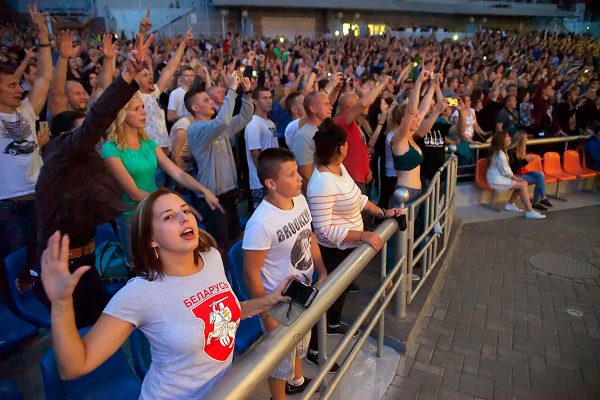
point(58, 282)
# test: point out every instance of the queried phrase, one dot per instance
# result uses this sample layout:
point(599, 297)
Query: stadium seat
point(481, 181)
point(9, 391)
point(536, 165)
point(552, 168)
point(140, 353)
point(236, 265)
point(13, 330)
point(104, 233)
point(112, 380)
point(25, 305)
point(249, 330)
point(571, 165)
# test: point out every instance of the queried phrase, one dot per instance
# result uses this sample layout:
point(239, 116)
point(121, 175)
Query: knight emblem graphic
point(221, 317)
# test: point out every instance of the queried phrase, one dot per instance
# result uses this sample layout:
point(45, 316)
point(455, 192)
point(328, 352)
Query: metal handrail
point(534, 142)
point(256, 365)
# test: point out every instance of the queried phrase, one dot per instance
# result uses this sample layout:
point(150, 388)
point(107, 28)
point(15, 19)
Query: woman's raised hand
point(58, 282)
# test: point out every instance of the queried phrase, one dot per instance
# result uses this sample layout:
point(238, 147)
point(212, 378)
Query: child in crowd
point(279, 242)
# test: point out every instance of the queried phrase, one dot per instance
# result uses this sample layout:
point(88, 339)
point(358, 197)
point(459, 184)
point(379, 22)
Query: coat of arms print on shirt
point(221, 316)
point(18, 134)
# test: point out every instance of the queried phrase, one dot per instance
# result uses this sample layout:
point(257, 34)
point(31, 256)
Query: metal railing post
point(381, 322)
point(401, 195)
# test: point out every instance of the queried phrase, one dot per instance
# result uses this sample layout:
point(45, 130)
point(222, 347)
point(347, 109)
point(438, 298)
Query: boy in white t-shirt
point(278, 243)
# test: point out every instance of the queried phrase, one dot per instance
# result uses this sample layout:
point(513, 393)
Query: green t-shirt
point(141, 165)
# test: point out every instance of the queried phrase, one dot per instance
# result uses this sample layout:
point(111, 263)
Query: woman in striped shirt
point(335, 204)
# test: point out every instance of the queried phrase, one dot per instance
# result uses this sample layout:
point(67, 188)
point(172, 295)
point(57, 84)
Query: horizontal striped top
point(335, 204)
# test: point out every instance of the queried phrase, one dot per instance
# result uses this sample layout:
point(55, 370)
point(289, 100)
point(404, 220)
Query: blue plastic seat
point(13, 330)
point(9, 391)
point(25, 305)
point(104, 233)
point(249, 330)
point(236, 266)
point(113, 380)
point(140, 352)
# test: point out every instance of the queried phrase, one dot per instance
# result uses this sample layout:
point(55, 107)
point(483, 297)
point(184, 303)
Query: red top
point(357, 159)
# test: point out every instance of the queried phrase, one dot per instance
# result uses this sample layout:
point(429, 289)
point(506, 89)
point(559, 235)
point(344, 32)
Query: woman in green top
point(132, 157)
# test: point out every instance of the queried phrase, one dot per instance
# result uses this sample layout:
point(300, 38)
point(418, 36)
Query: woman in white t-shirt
point(180, 300)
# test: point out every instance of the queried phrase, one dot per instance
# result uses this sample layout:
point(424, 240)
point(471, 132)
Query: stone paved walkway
point(496, 328)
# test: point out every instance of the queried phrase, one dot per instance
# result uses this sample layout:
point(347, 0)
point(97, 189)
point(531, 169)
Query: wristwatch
point(382, 213)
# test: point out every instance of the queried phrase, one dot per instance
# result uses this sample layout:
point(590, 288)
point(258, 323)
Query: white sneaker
point(534, 214)
point(512, 207)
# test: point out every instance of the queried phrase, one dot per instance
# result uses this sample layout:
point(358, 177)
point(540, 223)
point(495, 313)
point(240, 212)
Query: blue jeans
point(536, 178)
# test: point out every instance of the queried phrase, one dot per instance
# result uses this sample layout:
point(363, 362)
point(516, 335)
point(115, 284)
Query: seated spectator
point(132, 158)
point(518, 158)
point(180, 286)
point(501, 178)
point(278, 243)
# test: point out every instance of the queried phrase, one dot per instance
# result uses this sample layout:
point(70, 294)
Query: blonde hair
point(519, 144)
point(116, 132)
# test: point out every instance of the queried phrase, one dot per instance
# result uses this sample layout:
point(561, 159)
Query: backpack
point(111, 262)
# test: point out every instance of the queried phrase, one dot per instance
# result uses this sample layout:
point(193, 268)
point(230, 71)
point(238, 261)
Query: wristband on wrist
point(315, 71)
point(44, 44)
point(382, 213)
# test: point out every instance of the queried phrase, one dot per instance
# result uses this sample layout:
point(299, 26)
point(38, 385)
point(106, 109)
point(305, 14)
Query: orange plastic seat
point(571, 165)
point(480, 174)
point(552, 167)
point(536, 165)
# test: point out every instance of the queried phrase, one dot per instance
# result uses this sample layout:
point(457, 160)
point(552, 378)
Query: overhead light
point(455, 37)
point(484, 58)
point(281, 39)
point(415, 64)
point(337, 33)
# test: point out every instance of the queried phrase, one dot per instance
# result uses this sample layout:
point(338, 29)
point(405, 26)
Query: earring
point(155, 252)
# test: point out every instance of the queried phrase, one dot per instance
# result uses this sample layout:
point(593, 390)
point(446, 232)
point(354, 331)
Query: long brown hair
point(145, 261)
point(520, 144)
point(498, 144)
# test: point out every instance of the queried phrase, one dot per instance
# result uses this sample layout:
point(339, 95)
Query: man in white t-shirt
point(20, 157)
point(260, 134)
point(294, 105)
point(317, 108)
point(176, 108)
point(279, 243)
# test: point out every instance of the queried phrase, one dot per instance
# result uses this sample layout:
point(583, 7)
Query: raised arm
point(105, 110)
point(425, 104)
point(39, 92)
point(412, 110)
point(174, 62)
point(106, 74)
point(366, 100)
point(75, 356)
point(29, 55)
point(242, 119)
point(57, 99)
point(201, 133)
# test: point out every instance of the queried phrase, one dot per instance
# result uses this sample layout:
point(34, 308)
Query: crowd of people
point(313, 135)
